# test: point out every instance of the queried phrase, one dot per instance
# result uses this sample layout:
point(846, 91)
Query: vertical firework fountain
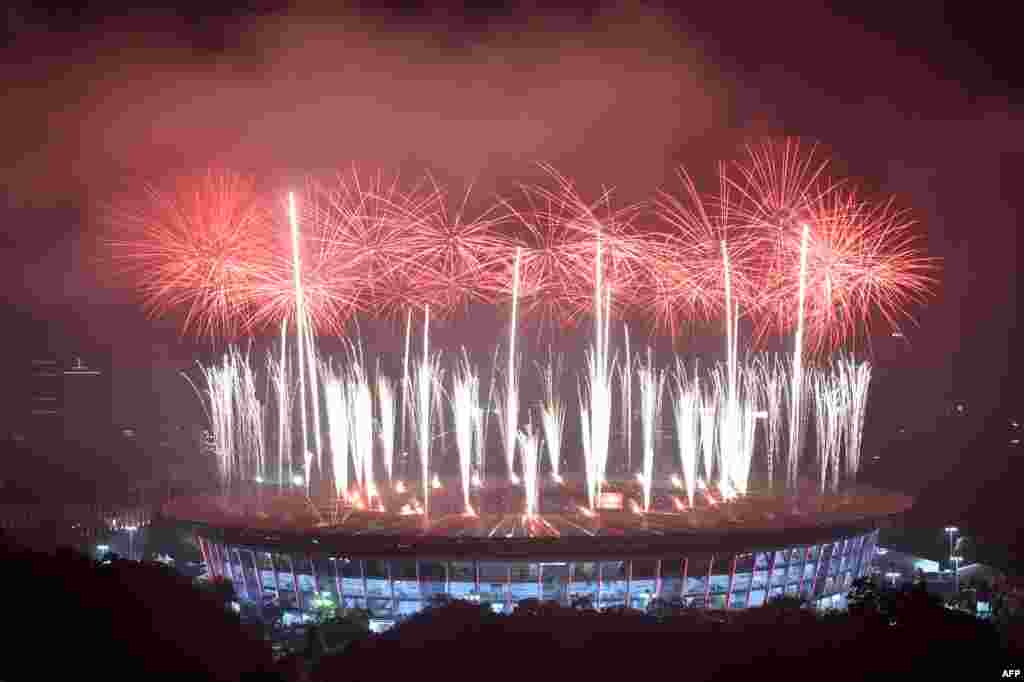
point(360, 403)
point(529, 445)
point(596, 393)
point(626, 383)
point(300, 328)
point(687, 418)
point(386, 403)
point(855, 378)
point(796, 394)
point(278, 372)
point(510, 414)
point(553, 418)
point(652, 381)
point(773, 383)
point(426, 399)
point(465, 404)
point(338, 417)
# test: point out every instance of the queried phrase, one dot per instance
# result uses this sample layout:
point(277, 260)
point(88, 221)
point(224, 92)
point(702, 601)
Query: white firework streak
point(218, 402)
point(652, 383)
point(278, 372)
point(465, 405)
point(596, 400)
point(553, 417)
point(490, 405)
point(406, 388)
point(773, 384)
point(708, 407)
point(828, 414)
point(797, 409)
point(251, 412)
point(386, 402)
point(314, 388)
point(687, 417)
point(510, 416)
point(797, 420)
point(749, 410)
point(729, 428)
point(857, 377)
point(529, 445)
point(427, 397)
point(626, 389)
point(361, 426)
point(338, 427)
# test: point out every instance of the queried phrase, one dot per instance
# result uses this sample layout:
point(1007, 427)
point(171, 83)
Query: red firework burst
point(863, 261)
point(352, 234)
point(450, 260)
point(558, 273)
point(706, 253)
point(198, 246)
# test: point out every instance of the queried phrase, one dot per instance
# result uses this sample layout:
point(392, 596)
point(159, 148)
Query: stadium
point(717, 556)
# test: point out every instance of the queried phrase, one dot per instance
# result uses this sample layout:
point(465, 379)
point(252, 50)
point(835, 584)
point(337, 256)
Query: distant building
point(62, 399)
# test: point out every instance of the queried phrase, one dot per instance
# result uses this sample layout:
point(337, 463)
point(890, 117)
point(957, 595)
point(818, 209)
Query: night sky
point(924, 107)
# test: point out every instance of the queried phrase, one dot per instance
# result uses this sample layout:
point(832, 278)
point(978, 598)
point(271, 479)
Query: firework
point(338, 415)
point(199, 247)
point(687, 417)
point(386, 407)
point(426, 382)
point(626, 384)
point(596, 393)
point(855, 377)
point(565, 230)
point(696, 276)
point(553, 417)
point(510, 414)
point(277, 372)
point(529, 444)
point(361, 431)
point(465, 408)
point(773, 384)
point(829, 415)
point(652, 383)
point(451, 260)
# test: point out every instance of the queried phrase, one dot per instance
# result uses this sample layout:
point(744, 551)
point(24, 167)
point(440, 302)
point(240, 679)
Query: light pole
point(956, 559)
point(131, 541)
point(951, 531)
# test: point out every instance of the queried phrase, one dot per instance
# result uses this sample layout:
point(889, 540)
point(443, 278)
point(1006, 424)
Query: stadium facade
point(395, 578)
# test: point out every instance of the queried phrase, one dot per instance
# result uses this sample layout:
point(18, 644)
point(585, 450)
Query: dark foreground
point(72, 615)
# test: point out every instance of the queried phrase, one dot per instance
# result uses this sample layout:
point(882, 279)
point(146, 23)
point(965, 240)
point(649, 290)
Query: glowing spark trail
point(510, 415)
point(773, 384)
point(553, 418)
point(856, 377)
point(405, 388)
point(300, 324)
point(796, 409)
point(708, 406)
point(829, 412)
point(360, 402)
point(278, 371)
point(626, 375)
point(426, 389)
point(652, 382)
point(386, 402)
point(465, 404)
point(687, 417)
point(338, 427)
point(595, 394)
point(529, 445)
